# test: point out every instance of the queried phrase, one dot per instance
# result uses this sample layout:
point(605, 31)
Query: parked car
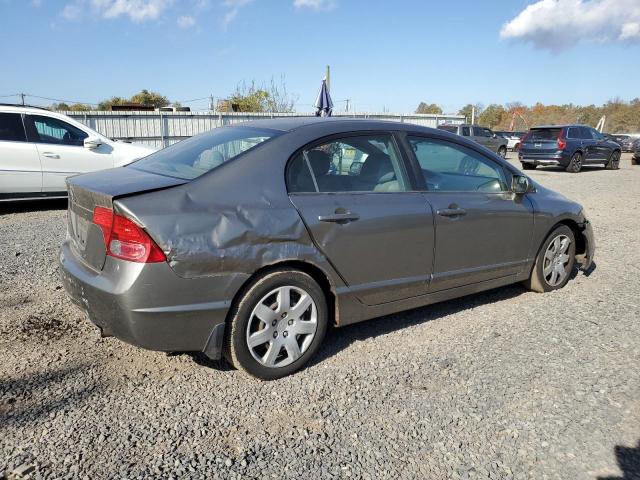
point(39, 149)
point(240, 242)
point(636, 151)
point(513, 139)
point(568, 146)
point(625, 141)
point(482, 135)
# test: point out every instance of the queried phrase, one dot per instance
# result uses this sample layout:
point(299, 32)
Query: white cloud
point(556, 25)
point(186, 21)
point(233, 8)
point(315, 4)
point(136, 10)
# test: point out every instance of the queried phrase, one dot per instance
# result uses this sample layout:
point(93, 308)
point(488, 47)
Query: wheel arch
point(315, 272)
point(581, 246)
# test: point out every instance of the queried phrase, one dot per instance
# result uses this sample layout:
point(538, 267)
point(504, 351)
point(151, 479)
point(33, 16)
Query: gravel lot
point(504, 384)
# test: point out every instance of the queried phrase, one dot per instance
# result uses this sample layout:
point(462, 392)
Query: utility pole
point(212, 106)
point(473, 115)
point(347, 107)
point(328, 78)
point(22, 96)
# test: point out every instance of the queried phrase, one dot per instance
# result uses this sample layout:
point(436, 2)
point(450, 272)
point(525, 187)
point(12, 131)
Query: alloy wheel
point(556, 259)
point(282, 326)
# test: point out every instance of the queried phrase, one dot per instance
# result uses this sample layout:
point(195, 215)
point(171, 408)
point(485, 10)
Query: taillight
point(523, 139)
point(562, 144)
point(126, 240)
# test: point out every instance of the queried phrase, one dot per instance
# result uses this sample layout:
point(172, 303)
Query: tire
point(502, 152)
point(529, 166)
point(276, 356)
point(575, 164)
point(553, 252)
point(614, 161)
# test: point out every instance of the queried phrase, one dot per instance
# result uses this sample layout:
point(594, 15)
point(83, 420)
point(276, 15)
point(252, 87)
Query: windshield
point(198, 155)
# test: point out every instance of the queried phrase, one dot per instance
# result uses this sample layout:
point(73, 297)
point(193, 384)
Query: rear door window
point(363, 163)
point(573, 132)
point(11, 128)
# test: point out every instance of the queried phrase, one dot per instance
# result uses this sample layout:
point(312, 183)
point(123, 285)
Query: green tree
point(429, 108)
point(492, 115)
point(467, 111)
point(105, 104)
point(150, 99)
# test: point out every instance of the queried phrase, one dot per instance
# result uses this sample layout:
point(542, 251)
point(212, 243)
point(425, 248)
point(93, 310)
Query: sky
point(384, 55)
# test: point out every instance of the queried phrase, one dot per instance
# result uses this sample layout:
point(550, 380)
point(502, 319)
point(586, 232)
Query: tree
point(429, 108)
point(76, 107)
point(150, 99)
point(492, 115)
point(105, 104)
point(467, 111)
point(272, 97)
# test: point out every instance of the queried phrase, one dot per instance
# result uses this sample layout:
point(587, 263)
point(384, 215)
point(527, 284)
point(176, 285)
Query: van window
point(11, 128)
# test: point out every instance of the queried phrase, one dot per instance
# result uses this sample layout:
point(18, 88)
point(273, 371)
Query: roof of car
point(565, 125)
point(15, 106)
point(287, 124)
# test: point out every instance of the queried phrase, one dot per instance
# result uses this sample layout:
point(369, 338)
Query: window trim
point(506, 173)
point(24, 130)
point(34, 137)
point(404, 163)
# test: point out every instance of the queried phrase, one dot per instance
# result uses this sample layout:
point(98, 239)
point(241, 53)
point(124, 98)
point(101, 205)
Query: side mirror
point(92, 143)
point(495, 135)
point(520, 184)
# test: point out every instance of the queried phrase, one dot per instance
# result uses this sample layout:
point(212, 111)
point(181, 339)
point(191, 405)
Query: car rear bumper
point(543, 159)
point(148, 305)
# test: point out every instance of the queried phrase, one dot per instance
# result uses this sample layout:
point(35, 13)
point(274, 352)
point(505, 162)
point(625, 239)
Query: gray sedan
point(249, 240)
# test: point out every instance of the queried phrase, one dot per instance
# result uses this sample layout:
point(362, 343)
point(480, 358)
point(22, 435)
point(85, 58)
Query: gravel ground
point(504, 384)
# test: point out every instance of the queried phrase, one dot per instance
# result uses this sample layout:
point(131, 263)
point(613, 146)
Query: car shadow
point(339, 339)
point(585, 169)
point(33, 206)
point(628, 459)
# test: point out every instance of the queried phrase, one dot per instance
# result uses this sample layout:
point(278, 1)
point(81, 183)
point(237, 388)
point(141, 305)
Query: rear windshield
point(544, 134)
point(200, 154)
point(448, 128)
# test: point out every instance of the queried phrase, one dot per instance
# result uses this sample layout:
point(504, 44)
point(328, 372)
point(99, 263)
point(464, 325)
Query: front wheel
point(614, 161)
point(575, 164)
point(554, 262)
point(502, 152)
point(277, 325)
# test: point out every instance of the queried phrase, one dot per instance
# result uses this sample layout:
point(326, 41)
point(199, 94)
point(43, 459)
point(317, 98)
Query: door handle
point(51, 155)
point(452, 212)
point(339, 217)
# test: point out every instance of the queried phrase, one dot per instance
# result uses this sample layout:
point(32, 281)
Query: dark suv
point(567, 146)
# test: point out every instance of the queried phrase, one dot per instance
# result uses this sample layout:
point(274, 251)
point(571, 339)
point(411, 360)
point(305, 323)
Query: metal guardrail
point(161, 129)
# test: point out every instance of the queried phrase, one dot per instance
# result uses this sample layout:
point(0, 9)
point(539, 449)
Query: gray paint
point(221, 228)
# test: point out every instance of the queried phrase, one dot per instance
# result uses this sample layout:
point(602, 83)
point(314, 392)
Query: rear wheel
point(554, 262)
point(502, 151)
point(575, 164)
point(528, 166)
point(614, 161)
point(277, 325)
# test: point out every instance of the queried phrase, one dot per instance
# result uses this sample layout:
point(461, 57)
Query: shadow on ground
point(628, 459)
point(22, 398)
point(32, 206)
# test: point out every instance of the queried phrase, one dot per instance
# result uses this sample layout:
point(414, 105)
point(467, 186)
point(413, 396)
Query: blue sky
point(382, 54)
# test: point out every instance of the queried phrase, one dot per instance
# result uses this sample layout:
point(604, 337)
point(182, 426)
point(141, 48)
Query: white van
point(39, 149)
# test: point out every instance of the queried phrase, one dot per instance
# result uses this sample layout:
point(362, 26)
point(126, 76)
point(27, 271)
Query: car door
point(62, 152)
point(602, 152)
point(589, 145)
point(375, 231)
point(483, 231)
point(20, 169)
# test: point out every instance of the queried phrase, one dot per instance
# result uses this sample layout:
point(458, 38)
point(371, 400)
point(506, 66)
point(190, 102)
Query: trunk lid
point(541, 141)
point(100, 189)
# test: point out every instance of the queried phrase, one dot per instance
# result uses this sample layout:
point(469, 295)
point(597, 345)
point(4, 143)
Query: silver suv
point(482, 135)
